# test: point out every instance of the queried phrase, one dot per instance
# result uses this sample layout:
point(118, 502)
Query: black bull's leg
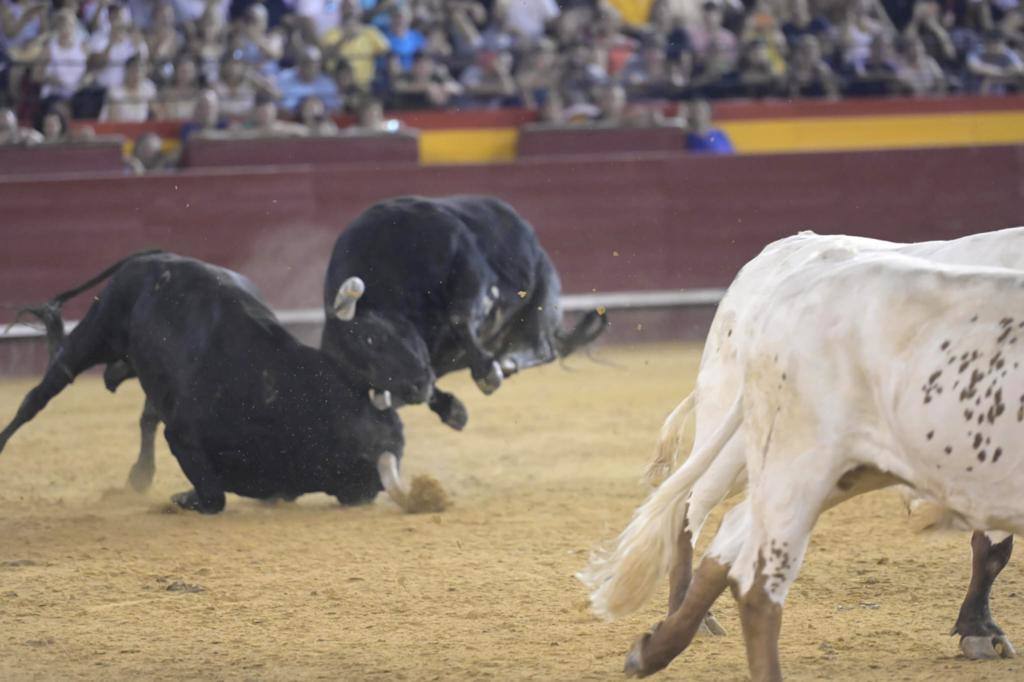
point(56, 378)
point(141, 475)
point(81, 349)
point(449, 408)
point(980, 637)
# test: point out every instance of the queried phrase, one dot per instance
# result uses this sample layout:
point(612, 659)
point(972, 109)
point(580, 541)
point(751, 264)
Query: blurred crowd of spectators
point(290, 66)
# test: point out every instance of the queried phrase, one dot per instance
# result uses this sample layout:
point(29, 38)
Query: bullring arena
point(98, 581)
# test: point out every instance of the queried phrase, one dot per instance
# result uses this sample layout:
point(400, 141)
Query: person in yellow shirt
point(358, 43)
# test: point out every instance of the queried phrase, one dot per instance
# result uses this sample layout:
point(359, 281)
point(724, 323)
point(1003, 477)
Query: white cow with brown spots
point(860, 370)
point(718, 384)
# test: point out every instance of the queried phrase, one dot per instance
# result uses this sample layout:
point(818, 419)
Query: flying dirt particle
point(615, 254)
point(182, 586)
point(639, 327)
point(522, 294)
point(601, 310)
point(426, 496)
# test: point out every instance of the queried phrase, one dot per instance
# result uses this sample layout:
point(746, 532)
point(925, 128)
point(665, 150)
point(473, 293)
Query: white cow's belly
point(960, 414)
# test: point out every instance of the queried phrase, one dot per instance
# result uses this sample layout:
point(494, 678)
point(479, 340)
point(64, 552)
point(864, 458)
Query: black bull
point(417, 288)
point(247, 408)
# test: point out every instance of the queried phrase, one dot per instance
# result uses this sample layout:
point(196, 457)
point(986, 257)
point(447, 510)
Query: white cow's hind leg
point(712, 488)
point(784, 507)
point(669, 638)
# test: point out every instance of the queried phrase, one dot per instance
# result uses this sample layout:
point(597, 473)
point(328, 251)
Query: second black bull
point(417, 288)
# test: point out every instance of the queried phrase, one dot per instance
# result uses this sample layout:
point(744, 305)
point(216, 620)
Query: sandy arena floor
point(548, 466)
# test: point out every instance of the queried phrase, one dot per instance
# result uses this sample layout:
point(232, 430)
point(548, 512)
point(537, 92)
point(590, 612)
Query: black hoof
point(273, 500)
point(356, 500)
point(192, 502)
point(456, 415)
point(490, 382)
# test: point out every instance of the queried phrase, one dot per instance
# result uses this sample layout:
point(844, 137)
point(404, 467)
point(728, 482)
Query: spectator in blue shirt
point(702, 138)
point(405, 40)
point(307, 80)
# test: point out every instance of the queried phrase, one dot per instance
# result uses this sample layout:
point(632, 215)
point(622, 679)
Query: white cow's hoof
point(489, 384)
point(985, 647)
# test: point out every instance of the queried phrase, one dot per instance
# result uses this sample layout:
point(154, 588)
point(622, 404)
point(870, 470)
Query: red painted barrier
point(347, 149)
point(611, 223)
point(101, 156)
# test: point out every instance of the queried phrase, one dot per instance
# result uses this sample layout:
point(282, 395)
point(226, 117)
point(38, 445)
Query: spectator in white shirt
point(317, 17)
point(65, 59)
point(528, 18)
point(111, 52)
point(130, 101)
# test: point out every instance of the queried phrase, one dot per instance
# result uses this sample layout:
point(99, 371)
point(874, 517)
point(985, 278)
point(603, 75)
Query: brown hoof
point(635, 658)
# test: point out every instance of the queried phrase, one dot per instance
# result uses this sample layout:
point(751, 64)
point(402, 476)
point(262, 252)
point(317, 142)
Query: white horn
point(387, 467)
point(345, 300)
point(380, 399)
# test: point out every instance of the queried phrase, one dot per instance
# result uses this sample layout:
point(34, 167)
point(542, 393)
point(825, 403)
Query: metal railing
point(613, 300)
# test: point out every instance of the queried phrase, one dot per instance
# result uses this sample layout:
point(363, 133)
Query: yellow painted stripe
point(468, 145)
point(838, 133)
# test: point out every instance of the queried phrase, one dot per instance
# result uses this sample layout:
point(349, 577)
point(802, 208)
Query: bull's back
point(190, 325)
point(411, 243)
point(507, 242)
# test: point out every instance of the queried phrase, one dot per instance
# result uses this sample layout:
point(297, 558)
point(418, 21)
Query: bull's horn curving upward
point(349, 292)
point(387, 467)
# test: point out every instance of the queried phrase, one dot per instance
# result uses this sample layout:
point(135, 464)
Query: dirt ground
point(97, 583)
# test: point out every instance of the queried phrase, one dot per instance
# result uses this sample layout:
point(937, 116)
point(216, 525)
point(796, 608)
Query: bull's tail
point(61, 298)
point(589, 327)
point(622, 579)
point(49, 312)
point(670, 441)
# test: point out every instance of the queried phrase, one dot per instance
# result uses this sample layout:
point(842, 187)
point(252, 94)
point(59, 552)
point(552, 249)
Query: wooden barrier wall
point(631, 222)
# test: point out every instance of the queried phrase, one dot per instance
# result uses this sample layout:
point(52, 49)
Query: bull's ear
point(345, 301)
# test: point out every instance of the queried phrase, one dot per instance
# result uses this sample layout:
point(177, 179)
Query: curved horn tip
point(354, 287)
point(380, 399)
point(350, 291)
point(387, 467)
